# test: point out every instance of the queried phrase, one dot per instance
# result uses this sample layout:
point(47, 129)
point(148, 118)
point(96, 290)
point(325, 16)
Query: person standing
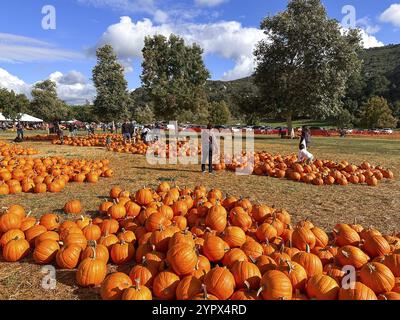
point(126, 131)
point(20, 131)
point(208, 147)
point(305, 137)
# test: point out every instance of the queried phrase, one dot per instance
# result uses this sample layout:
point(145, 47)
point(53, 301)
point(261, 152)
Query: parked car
point(387, 130)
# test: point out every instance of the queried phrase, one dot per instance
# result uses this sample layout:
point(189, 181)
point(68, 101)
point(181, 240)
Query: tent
point(23, 118)
point(28, 118)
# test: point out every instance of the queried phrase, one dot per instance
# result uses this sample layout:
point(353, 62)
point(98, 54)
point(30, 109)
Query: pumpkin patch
point(232, 249)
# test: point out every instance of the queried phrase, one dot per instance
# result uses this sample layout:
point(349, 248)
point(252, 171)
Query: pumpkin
point(188, 287)
point(45, 252)
point(73, 207)
point(113, 286)
point(68, 257)
point(165, 284)
point(392, 261)
point(17, 209)
point(345, 235)
point(376, 246)
point(302, 236)
point(122, 252)
point(216, 218)
point(92, 232)
point(109, 226)
point(91, 271)
point(245, 271)
point(48, 235)
point(234, 236)
point(275, 285)
point(321, 238)
point(33, 232)
point(234, 255)
point(295, 272)
point(137, 292)
point(16, 250)
point(144, 196)
point(100, 250)
point(214, 248)
point(350, 255)
point(13, 234)
point(76, 238)
point(266, 232)
point(377, 276)
point(322, 287)
point(183, 258)
point(9, 221)
point(144, 272)
point(252, 249)
point(389, 296)
point(358, 292)
point(50, 221)
point(220, 282)
point(309, 261)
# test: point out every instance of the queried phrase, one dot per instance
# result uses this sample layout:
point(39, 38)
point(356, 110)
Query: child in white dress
point(304, 155)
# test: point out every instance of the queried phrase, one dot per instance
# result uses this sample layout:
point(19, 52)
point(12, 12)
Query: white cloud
point(12, 82)
point(71, 87)
point(370, 41)
point(210, 3)
point(16, 48)
point(227, 39)
point(392, 15)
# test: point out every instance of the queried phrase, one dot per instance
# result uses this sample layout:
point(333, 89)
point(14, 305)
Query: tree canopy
point(304, 62)
point(12, 104)
point(376, 113)
point(46, 104)
point(112, 100)
point(174, 77)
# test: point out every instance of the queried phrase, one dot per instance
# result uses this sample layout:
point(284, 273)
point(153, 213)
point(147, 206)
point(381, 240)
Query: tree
point(219, 113)
point(344, 119)
point(84, 113)
point(396, 109)
point(249, 102)
point(12, 105)
point(377, 85)
point(46, 104)
point(303, 65)
point(144, 114)
point(174, 77)
point(376, 113)
point(112, 98)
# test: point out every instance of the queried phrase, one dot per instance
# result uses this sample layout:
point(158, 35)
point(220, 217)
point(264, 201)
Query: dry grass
point(325, 206)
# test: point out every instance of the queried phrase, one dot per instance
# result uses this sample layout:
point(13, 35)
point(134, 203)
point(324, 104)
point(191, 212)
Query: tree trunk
point(289, 123)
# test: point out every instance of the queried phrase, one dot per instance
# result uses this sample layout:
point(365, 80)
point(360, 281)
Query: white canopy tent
point(23, 118)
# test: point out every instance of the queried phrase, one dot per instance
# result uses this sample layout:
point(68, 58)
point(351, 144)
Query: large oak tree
point(305, 61)
point(174, 77)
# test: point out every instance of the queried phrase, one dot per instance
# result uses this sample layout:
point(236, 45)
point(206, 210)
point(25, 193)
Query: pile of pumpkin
point(197, 244)
point(10, 150)
point(320, 172)
point(51, 174)
point(42, 137)
point(99, 140)
point(157, 148)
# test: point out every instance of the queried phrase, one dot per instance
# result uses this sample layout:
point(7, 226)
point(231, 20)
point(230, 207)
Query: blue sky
point(227, 29)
